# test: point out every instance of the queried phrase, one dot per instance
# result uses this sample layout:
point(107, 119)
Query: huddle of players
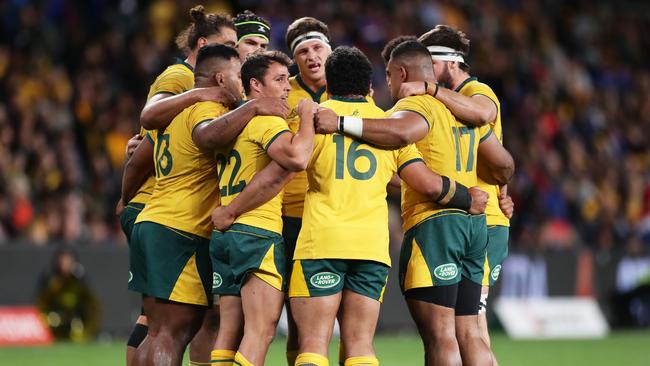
point(304, 215)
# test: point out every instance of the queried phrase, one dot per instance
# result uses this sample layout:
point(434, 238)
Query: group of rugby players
point(278, 197)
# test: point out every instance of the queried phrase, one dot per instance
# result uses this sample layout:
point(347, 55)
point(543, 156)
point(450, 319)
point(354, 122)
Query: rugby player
point(253, 34)
point(438, 281)
point(308, 41)
point(249, 258)
point(473, 103)
point(341, 258)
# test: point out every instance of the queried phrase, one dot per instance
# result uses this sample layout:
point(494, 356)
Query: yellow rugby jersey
point(493, 213)
point(294, 191)
point(176, 79)
point(346, 214)
point(186, 189)
point(449, 148)
point(246, 157)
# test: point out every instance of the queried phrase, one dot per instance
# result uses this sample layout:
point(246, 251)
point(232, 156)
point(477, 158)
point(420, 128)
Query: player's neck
point(459, 79)
point(350, 97)
point(314, 85)
point(191, 59)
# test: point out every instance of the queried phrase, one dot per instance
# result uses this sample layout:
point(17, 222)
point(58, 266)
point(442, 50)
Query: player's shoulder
point(261, 121)
point(473, 86)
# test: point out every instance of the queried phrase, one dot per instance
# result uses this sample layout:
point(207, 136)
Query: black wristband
point(436, 92)
point(341, 121)
point(426, 87)
point(454, 195)
point(461, 199)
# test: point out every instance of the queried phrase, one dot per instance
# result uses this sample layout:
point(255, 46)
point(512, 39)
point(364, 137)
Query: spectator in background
point(66, 301)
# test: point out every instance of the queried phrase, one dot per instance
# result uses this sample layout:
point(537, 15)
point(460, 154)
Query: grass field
point(621, 348)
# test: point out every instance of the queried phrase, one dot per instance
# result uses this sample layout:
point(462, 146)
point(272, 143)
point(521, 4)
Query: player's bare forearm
point(476, 110)
point(293, 152)
point(496, 165)
point(136, 170)
point(422, 179)
point(262, 188)
point(162, 108)
point(401, 129)
point(222, 130)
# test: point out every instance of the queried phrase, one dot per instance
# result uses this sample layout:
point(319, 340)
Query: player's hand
point(327, 121)
point(217, 94)
point(307, 108)
point(267, 106)
point(132, 144)
point(119, 208)
point(479, 200)
point(222, 218)
point(411, 88)
point(506, 204)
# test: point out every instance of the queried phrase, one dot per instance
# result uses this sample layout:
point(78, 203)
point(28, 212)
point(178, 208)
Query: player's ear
point(255, 84)
point(219, 78)
point(202, 41)
point(403, 73)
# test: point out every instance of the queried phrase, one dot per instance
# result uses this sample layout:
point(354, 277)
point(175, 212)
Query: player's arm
point(443, 190)
point(476, 110)
point(163, 107)
point(262, 188)
point(496, 165)
point(292, 152)
point(400, 129)
point(221, 131)
point(137, 169)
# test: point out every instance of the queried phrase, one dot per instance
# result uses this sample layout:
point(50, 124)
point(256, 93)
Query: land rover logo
point(446, 271)
point(130, 276)
point(216, 280)
point(495, 272)
point(325, 280)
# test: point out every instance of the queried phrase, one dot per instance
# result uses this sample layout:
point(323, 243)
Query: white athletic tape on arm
point(353, 126)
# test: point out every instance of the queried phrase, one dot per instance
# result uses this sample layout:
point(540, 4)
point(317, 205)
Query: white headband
point(309, 37)
point(445, 54)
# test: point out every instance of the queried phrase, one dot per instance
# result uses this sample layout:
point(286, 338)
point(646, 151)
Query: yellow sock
point(291, 357)
point(240, 360)
point(222, 357)
point(362, 360)
point(311, 359)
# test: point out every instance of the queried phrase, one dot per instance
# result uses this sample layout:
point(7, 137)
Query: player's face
point(394, 79)
point(250, 45)
point(226, 36)
point(232, 77)
point(441, 71)
point(310, 57)
point(276, 82)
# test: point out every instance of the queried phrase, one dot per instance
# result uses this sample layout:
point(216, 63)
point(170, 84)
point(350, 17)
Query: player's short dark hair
point(348, 72)
point(409, 49)
point(211, 52)
point(444, 35)
point(390, 46)
point(249, 16)
point(305, 25)
point(257, 64)
point(203, 25)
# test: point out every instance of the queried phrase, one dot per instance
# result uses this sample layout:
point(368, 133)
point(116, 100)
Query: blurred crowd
point(573, 79)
